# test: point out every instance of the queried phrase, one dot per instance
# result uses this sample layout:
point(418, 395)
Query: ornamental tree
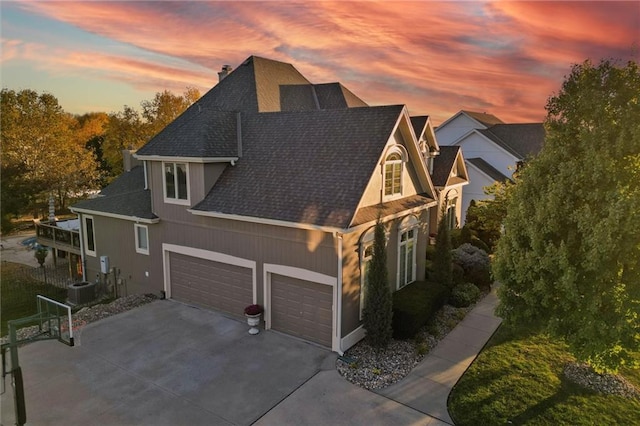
point(377, 314)
point(442, 258)
point(570, 257)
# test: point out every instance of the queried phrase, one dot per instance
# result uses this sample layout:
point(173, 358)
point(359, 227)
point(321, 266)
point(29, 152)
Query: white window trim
point(135, 231)
point(396, 149)
point(168, 200)
point(407, 224)
point(84, 235)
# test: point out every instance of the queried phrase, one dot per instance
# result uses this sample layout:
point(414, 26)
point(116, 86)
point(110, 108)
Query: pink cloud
point(438, 58)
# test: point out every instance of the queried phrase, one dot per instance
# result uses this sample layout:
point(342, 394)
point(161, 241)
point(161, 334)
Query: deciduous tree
point(40, 153)
point(570, 258)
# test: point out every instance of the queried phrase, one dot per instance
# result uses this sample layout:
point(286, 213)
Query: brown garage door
point(302, 308)
point(209, 284)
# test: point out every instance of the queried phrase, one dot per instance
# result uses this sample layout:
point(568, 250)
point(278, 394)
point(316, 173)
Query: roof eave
point(186, 159)
point(115, 215)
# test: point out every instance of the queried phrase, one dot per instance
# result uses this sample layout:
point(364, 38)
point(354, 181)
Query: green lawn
point(18, 294)
point(517, 379)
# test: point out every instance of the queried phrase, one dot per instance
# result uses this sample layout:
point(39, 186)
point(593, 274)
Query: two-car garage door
point(296, 306)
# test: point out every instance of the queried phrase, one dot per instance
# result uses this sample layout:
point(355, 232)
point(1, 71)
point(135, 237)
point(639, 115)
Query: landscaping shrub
point(480, 244)
point(414, 305)
point(457, 273)
point(460, 236)
point(464, 295)
point(475, 263)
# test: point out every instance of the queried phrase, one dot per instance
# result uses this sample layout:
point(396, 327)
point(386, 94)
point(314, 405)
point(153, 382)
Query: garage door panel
point(302, 308)
point(214, 285)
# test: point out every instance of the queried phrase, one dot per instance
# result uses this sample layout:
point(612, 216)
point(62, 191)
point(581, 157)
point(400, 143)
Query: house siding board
point(351, 275)
point(453, 130)
point(302, 308)
point(209, 284)
point(475, 145)
point(115, 238)
point(305, 249)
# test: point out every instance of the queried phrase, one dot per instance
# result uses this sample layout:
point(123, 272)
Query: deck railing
point(57, 237)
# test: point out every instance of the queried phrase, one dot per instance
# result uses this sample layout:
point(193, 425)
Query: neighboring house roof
point(488, 169)
point(483, 118)
point(443, 163)
point(126, 196)
point(320, 184)
point(522, 139)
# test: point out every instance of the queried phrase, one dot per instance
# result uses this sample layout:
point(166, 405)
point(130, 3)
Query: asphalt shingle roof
point(305, 167)
point(126, 196)
point(371, 213)
point(418, 124)
point(521, 139)
point(484, 118)
point(488, 169)
point(442, 165)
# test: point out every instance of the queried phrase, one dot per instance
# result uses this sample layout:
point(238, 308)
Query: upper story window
point(176, 185)
point(393, 165)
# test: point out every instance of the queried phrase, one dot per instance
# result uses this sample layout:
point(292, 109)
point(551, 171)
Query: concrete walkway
point(427, 387)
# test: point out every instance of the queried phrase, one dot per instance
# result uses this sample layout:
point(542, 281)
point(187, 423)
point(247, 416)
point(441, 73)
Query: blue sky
point(505, 58)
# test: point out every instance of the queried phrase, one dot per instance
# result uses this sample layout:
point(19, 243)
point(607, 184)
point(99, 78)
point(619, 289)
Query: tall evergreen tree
point(442, 259)
point(378, 309)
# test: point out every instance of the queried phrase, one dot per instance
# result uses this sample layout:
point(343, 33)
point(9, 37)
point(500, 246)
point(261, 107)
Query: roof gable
point(306, 167)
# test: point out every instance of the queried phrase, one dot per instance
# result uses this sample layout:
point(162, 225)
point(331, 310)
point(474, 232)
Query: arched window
point(393, 165)
point(407, 242)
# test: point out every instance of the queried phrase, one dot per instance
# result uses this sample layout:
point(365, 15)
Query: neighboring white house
point(492, 149)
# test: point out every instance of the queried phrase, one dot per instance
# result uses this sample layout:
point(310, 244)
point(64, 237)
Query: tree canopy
point(40, 151)
point(570, 257)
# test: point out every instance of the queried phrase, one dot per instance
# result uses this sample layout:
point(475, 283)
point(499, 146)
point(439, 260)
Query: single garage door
point(302, 308)
point(213, 285)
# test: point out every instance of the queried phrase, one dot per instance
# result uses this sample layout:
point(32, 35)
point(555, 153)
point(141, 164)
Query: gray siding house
point(266, 190)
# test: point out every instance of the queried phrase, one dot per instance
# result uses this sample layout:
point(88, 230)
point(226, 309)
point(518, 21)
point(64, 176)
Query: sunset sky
point(505, 58)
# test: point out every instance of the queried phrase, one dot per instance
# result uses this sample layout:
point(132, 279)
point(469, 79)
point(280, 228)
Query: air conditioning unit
point(81, 293)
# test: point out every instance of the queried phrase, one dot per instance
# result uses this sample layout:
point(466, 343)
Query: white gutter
point(115, 215)
point(264, 221)
point(186, 159)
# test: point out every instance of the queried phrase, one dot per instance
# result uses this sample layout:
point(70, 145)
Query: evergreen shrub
point(414, 305)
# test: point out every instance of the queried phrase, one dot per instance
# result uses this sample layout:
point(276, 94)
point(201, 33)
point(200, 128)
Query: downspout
point(82, 258)
point(338, 236)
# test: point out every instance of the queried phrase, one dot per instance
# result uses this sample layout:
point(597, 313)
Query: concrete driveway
point(166, 363)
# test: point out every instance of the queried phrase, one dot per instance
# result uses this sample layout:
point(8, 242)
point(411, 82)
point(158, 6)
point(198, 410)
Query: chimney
point(128, 160)
point(226, 69)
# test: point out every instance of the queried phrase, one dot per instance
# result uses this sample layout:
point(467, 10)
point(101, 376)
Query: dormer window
point(393, 173)
point(176, 188)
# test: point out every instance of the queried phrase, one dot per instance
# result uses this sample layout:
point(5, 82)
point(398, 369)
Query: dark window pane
point(181, 170)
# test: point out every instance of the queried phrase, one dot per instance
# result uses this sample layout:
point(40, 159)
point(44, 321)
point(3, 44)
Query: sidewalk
point(427, 387)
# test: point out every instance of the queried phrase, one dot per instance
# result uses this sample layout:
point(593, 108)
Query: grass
point(517, 379)
point(18, 294)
